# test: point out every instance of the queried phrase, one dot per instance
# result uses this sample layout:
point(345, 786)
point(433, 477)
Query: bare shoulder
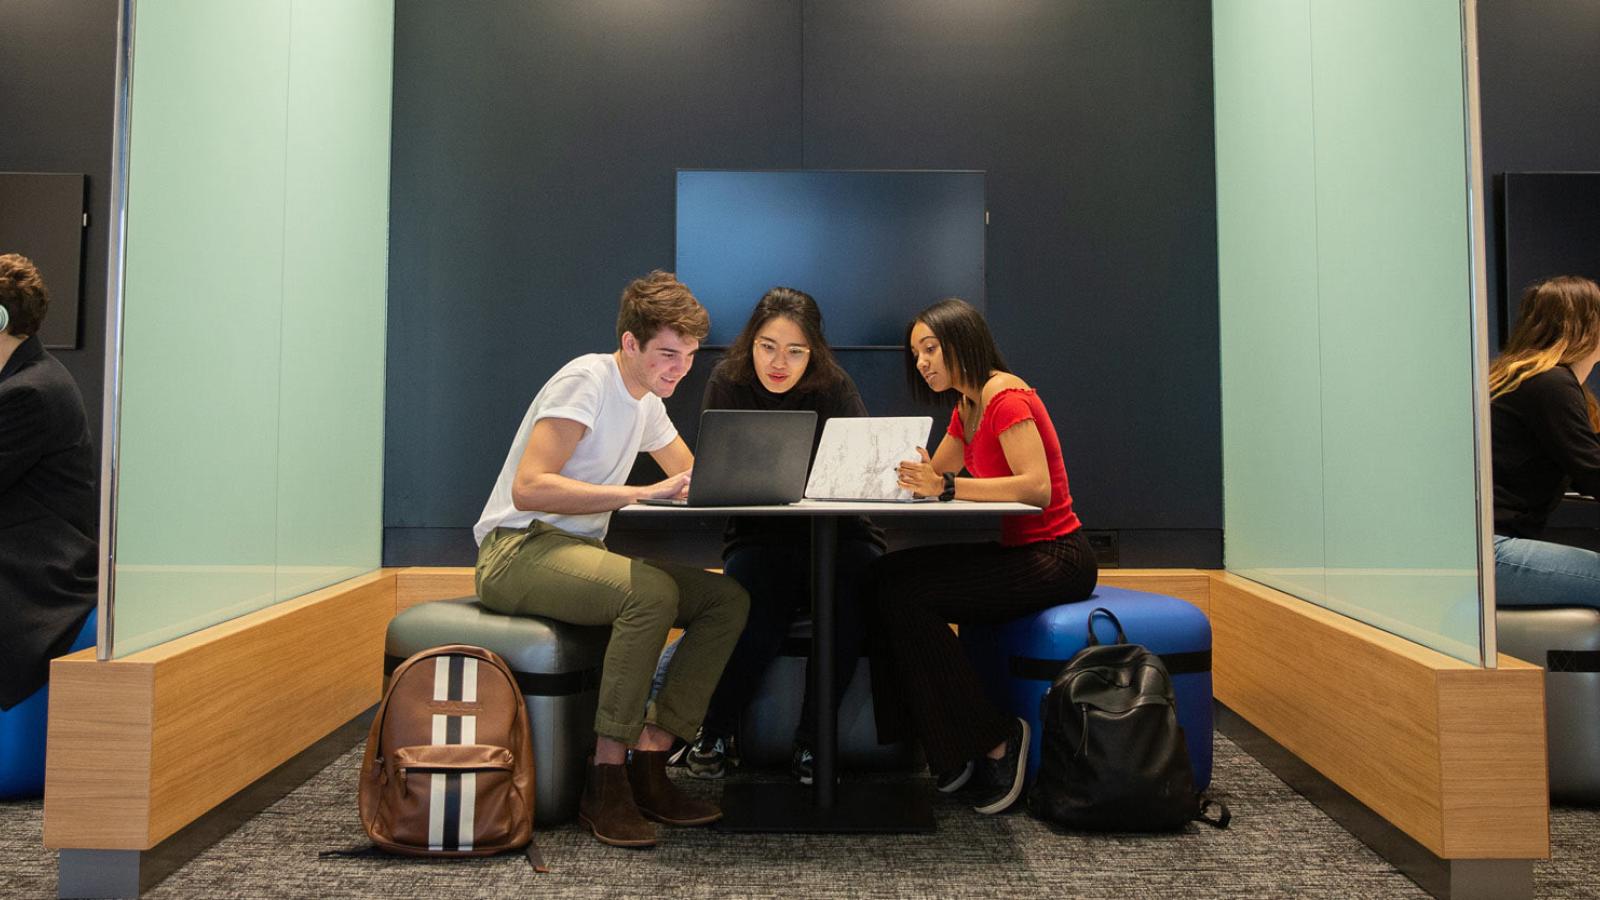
point(1002, 381)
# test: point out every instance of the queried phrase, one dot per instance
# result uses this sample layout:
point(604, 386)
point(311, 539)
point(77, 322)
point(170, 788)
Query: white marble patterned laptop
point(857, 458)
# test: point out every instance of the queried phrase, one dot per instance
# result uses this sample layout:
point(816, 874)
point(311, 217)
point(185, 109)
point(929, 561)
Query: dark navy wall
point(1539, 84)
point(534, 155)
point(1094, 122)
point(535, 146)
point(57, 79)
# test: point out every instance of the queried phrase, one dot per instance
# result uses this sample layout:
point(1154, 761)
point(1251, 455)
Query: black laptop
point(749, 457)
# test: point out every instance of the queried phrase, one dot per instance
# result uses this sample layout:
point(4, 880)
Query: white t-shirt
point(590, 391)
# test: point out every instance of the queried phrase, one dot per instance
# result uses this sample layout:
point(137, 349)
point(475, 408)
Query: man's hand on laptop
point(674, 488)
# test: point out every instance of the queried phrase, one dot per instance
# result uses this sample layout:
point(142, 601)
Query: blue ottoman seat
point(22, 733)
point(1018, 659)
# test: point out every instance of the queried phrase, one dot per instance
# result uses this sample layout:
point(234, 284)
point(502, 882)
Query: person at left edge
point(542, 552)
point(48, 501)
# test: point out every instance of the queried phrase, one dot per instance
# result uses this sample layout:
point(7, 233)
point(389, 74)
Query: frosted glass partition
point(1346, 310)
point(251, 425)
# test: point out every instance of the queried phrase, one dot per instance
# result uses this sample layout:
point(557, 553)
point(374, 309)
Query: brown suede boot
point(607, 809)
point(659, 799)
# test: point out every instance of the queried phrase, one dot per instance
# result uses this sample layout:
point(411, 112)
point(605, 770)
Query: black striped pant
point(923, 685)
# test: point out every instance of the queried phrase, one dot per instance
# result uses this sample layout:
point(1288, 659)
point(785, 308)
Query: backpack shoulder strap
point(1093, 640)
point(1219, 819)
point(535, 858)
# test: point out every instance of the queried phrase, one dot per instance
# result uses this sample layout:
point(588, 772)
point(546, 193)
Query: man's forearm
point(561, 495)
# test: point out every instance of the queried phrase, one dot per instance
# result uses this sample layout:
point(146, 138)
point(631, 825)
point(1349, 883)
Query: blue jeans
point(1539, 573)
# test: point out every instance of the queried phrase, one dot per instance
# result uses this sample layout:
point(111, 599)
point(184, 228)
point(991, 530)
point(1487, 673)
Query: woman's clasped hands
point(919, 477)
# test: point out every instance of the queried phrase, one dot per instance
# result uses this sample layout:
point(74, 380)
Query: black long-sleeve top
point(725, 390)
point(48, 505)
point(1542, 443)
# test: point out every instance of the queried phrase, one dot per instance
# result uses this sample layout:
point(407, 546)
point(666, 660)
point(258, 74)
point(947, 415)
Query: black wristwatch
point(949, 492)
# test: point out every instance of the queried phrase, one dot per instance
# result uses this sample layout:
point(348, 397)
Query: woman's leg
point(849, 626)
point(775, 577)
point(1539, 573)
point(916, 594)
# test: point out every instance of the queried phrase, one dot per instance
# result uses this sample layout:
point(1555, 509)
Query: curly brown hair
point(656, 301)
point(23, 294)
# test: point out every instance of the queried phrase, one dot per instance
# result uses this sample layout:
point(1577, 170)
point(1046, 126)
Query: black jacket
point(1543, 443)
point(48, 507)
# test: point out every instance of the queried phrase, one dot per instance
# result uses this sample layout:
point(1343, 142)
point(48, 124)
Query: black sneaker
point(955, 779)
point(711, 755)
point(1003, 778)
point(803, 764)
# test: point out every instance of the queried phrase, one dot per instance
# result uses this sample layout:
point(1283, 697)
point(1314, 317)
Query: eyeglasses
point(794, 353)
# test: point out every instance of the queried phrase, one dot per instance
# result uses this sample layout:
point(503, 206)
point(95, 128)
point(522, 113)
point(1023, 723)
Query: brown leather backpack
point(449, 763)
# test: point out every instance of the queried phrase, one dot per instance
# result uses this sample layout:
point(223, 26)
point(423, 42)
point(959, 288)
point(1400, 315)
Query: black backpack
point(1113, 756)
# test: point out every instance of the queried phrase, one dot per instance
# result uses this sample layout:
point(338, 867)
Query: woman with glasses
point(781, 361)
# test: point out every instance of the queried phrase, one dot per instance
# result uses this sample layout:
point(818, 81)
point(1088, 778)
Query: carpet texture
point(1279, 846)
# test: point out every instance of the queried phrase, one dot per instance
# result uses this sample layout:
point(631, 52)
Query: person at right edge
point(1543, 423)
point(1001, 433)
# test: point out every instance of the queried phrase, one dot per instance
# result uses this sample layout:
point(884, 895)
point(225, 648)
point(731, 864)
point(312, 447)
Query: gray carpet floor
point(1279, 846)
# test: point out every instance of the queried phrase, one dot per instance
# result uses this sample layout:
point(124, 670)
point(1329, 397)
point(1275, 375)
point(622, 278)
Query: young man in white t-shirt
point(541, 552)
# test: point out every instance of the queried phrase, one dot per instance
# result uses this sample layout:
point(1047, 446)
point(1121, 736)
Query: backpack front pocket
point(452, 797)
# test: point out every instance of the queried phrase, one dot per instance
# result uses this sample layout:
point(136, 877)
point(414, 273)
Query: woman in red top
point(1002, 435)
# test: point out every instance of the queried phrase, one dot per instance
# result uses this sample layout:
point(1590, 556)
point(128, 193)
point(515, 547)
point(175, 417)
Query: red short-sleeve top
point(985, 458)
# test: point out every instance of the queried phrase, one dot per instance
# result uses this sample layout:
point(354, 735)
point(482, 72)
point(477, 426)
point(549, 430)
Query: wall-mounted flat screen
point(41, 217)
point(873, 247)
point(1552, 227)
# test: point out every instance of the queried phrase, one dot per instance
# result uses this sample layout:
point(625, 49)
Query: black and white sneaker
point(955, 779)
point(1004, 777)
point(803, 764)
point(711, 755)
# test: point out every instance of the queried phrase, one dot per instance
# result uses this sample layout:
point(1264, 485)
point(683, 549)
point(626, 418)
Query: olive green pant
point(545, 571)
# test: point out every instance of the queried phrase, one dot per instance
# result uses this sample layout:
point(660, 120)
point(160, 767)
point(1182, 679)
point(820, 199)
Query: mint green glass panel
point(251, 433)
point(336, 204)
point(197, 490)
point(1396, 307)
point(1267, 274)
point(1347, 397)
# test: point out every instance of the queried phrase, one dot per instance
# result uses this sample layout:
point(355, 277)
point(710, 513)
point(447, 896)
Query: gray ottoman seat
point(1566, 642)
point(558, 668)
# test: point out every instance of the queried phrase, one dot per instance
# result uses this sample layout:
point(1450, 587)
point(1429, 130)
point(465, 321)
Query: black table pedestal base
point(859, 808)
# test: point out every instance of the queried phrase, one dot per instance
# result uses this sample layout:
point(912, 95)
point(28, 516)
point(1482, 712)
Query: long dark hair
point(1558, 324)
point(964, 339)
point(822, 370)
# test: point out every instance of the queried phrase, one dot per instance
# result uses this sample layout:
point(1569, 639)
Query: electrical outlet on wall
point(1105, 547)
